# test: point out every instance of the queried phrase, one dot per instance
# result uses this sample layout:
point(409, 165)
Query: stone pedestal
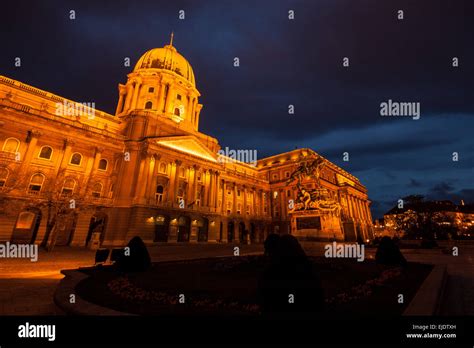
point(316, 225)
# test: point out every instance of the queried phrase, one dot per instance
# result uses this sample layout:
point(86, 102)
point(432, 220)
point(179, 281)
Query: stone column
point(283, 204)
point(173, 182)
point(188, 108)
point(212, 188)
point(216, 193)
point(135, 94)
point(350, 207)
point(150, 181)
point(142, 177)
point(369, 214)
point(169, 96)
point(254, 201)
point(193, 103)
point(234, 200)
point(122, 92)
point(244, 210)
point(195, 185)
point(161, 96)
point(224, 198)
point(205, 199)
point(128, 97)
point(33, 141)
point(91, 168)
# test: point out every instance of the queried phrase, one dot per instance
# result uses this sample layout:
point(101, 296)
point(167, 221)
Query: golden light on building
point(147, 170)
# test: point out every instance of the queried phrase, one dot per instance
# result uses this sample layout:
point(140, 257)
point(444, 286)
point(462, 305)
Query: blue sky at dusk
point(282, 62)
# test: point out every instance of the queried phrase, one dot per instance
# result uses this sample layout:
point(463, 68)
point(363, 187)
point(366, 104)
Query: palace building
point(70, 174)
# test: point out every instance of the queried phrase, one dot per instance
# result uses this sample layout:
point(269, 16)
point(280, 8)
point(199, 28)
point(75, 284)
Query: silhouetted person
point(136, 258)
point(288, 283)
point(388, 253)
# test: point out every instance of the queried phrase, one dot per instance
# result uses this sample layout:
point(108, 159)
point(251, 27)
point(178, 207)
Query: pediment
point(188, 144)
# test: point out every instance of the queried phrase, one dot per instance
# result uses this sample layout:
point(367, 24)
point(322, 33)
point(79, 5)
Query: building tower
point(162, 87)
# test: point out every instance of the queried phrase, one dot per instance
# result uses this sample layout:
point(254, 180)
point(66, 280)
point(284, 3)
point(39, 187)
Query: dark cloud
point(415, 183)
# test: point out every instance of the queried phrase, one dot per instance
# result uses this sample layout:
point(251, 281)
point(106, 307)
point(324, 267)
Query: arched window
point(103, 164)
point(148, 105)
point(3, 176)
point(46, 152)
point(36, 183)
point(159, 194)
point(97, 190)
point(177, 112)
point(68, 187)
point(11, 145)
point(76, 159)
point(163, 168)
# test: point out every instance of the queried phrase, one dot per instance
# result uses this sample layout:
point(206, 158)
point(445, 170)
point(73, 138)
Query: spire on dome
point(171, 39)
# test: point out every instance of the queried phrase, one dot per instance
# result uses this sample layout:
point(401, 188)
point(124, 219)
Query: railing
point(7, 155)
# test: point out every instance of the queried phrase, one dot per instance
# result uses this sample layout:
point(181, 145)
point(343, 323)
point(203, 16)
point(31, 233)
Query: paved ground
point(27, 288)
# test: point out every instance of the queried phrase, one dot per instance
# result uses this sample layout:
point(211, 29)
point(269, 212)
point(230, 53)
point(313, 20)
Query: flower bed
point(228, 286)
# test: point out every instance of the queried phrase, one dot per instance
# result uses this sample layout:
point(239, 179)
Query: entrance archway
point(230, 231)
point(242, 238)
point(184, 229)
point(97, 224)
point(66, 228)
point(253, 235)
point(203, 228)
point(162, 223)
point(26, 226)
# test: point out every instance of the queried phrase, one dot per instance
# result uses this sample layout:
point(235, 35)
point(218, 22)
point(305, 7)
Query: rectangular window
point(179, 96)
point(151, 90)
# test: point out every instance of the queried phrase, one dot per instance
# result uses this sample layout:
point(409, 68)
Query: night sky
point(282, 62)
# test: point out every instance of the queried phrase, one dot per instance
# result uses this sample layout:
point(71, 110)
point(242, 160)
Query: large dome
point(166, 58)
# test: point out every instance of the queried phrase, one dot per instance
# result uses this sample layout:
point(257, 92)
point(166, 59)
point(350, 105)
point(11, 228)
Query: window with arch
point(103, 163)
point(68, 187)
point(36, 183)
point(46, 152)
point(3, 176)
point(76, 159)
point(239, 208)
point(159, 194)
point(177, 112)
point(11, 145)
point(162, 168)
point(97, 190)
point(148, 105)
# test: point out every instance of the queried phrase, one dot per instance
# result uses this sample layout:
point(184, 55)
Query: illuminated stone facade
point(148, 171)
